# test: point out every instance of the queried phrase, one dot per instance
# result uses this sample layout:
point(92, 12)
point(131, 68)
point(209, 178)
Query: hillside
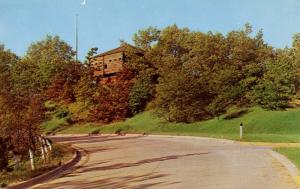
point(259, 125)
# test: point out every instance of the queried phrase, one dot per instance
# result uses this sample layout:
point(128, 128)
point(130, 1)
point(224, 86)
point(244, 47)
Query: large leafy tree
point(187, 61)
point(22, 85)
point(212, 70)
point(7, 61)
point(244, 68)
point(44, 60)
point(295, 50)
point(20, 114)
point(63, 86)
point(275, 89)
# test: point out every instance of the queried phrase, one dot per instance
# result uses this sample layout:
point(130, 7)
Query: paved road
point(138, 162)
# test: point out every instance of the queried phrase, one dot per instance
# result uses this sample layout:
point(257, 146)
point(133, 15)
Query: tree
point(85, 88)
point(90, 53)
point(275, 89)
point(187, 61)
point(44, 60)
point(223, 69)
point(145, 39)
point(62, 88)
point(7, 61)
point(295, 50)
point(112, 100)
point(140, 94)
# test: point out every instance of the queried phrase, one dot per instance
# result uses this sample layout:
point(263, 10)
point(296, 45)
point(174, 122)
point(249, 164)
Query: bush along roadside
point(37, 163)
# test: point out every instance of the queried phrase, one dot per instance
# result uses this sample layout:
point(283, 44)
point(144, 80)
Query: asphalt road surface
point(138, 162)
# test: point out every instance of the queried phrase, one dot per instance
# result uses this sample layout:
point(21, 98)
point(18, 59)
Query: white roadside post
point(31, 159)
point(45, 146)
point(42, 148)
point(42, 153)
point(45, 149)
point(241, 131)
point(49, 144)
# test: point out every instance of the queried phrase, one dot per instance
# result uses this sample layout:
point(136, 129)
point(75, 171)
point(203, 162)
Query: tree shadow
point(143, 181)
point(127, 182)
point(145, 161)
point(92, 139)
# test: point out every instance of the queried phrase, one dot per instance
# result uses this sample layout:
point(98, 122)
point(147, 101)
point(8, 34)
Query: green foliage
point(199, 75)
point(85, 128)
point(122, 130)
point(236, 113)
point(183, 92)
point(140, 94)
point(295, 51)
point(7, 61)
point(50, 105)
point(43, 61)
point(85, 88)
point(277, 85)
point(80, 111)
point(61, 113)
point(95, 132)
point(144, 39)
point(90, 53)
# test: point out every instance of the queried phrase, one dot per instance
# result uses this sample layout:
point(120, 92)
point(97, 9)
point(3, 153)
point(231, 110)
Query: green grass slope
point(259, 125)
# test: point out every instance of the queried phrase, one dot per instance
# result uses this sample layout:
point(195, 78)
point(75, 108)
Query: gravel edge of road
point(292, 169)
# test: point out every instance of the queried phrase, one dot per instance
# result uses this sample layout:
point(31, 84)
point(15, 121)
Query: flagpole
point(76, 40)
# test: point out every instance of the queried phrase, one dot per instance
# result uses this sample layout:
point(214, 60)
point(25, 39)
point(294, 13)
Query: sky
point(103, 23)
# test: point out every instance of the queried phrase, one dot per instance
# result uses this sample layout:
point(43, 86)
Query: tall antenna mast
point(76, 40)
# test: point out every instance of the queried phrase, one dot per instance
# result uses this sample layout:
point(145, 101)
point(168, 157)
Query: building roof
point(121, 48)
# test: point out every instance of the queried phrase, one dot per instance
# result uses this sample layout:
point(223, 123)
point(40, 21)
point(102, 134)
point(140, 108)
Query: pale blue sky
point(103, 23)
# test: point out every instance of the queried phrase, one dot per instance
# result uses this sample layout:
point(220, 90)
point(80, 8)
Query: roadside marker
point(241, 131)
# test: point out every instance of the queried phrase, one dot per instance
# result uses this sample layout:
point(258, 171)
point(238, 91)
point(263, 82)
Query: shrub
point(3, 185)
point(95, 132)
point(62, 113)
point(50, 105)
point(119, 131)
point(79, 111)
point(235, 114)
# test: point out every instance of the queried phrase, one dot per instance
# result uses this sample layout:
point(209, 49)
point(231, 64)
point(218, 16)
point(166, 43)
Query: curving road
point(139, 162)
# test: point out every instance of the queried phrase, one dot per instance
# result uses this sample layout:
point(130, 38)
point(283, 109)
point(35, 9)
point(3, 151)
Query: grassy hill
point(259, 125)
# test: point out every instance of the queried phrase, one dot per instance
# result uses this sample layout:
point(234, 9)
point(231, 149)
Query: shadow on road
point(145, 161)
point(92, 139)
point(131, 181)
